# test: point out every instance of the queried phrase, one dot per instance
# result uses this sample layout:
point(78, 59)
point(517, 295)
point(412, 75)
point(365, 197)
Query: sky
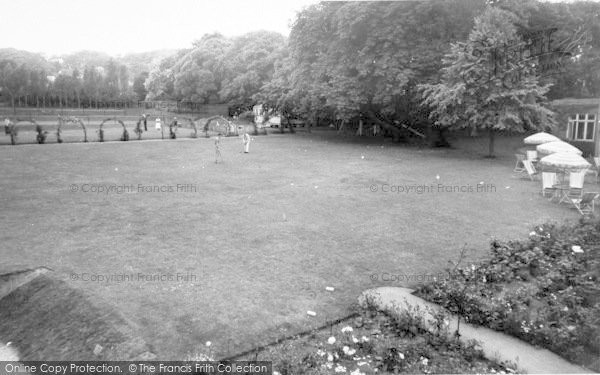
point(117, 27)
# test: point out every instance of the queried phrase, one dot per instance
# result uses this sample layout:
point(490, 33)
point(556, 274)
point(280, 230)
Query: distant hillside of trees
point(80, 79)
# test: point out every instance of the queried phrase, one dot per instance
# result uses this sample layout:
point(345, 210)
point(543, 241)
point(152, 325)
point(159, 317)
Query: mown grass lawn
point(263, 234)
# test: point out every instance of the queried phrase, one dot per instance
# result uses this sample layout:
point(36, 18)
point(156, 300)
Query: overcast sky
point(122, 26)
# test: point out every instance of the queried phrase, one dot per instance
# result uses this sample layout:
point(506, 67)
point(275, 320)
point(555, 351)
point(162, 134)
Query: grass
point(264, 233)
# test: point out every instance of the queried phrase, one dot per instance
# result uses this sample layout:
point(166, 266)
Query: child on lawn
point(217, 148)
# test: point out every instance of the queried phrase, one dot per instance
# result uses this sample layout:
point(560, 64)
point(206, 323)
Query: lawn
point(258, 237)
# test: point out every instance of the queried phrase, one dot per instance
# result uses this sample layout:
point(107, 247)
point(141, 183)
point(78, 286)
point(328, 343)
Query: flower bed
point(375, 343)
point(544, 290)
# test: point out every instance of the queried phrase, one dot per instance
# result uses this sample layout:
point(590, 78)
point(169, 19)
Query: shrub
point(41, 134)
point(138, 129)
point(543, 290)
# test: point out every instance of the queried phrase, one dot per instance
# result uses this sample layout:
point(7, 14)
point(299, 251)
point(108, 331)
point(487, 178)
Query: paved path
point(495, 345)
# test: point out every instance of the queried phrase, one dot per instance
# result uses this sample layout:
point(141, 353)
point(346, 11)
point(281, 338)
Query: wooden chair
point(585, 204)
point(519, 167)
point(530, 169)
point(532, 155)
point(575, 191)
point(549, 184)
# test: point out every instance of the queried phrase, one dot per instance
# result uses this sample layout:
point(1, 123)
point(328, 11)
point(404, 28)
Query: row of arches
point(217, 124)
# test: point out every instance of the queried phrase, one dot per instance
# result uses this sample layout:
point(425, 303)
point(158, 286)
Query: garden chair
point(596, 168)
point(530, 169)
point(585, 204)
point(532, 155)
point(519, 167)
point(549, 184)
point(575, 190)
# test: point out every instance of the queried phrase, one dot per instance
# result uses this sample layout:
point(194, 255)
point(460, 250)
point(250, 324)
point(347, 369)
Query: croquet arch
point(71, 120)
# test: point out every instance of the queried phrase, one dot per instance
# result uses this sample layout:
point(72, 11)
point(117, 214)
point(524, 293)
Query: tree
point(37, 85)
point(249, 64)
point(198, 73)
point(358, 60)
point(76, 86)
point(160, 83)
point(111, 81)
point(138, 85)
point(487, 84)
point(123, 80)
point(277, 93)
point(91, 84)
point(65, 86)
point(194, 83)
point(13, 80)
point(567, 38)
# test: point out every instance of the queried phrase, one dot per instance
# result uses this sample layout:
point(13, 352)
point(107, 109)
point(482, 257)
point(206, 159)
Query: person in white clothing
point(246, 141)
point(158, 127)
point(7, 125)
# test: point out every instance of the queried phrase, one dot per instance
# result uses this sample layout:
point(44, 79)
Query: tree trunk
point(12, 100)
point(396, 133)
point(341, 127)
point(491, 144)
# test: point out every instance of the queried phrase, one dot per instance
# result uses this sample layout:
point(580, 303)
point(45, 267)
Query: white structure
point(259, 113)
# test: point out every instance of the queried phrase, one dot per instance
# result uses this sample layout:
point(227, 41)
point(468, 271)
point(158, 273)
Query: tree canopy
point(358, 59)
point(218, 68)
point(487, 85)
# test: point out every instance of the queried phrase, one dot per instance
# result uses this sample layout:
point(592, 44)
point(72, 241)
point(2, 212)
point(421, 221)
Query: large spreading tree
point(490, 82)
point(359, 60)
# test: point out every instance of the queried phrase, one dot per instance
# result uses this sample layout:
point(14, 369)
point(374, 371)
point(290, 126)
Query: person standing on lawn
point(246, 141)
point(217, 148)
point(145, 122)
point(158, 126)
